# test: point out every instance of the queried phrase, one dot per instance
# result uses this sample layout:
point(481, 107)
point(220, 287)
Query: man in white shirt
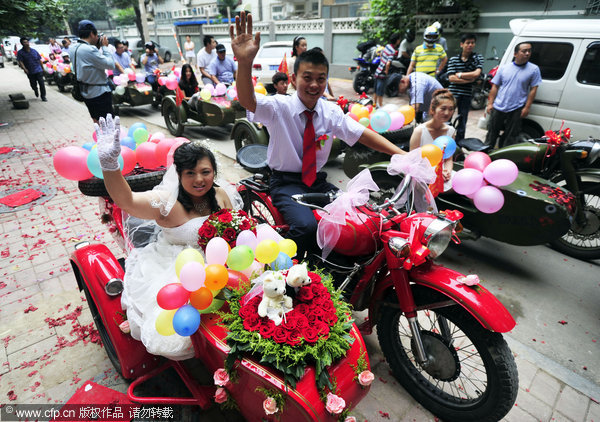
point(205, 56)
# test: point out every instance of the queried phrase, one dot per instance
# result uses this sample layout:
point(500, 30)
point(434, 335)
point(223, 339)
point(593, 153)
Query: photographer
point(150, 60)
point(91, 58)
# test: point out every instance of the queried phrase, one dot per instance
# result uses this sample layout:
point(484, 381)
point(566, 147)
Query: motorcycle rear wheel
point(478, 100)
point(361, 82)
point(472, 376)
point(583, 242)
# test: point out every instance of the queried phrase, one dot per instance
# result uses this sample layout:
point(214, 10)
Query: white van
point(9, 44)
point(568, 54)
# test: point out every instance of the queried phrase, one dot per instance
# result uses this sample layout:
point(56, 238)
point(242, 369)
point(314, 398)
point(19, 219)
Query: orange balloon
point(201, 298)
point(408, 112)
point(259, 89)
point(363, 112)
point(216, 276)
point(433, 153)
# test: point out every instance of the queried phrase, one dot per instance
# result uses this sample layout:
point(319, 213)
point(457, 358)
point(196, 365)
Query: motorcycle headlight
point(590, 146)
point(437, 236)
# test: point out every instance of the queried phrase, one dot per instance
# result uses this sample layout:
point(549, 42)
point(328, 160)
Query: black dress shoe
point(44, 99)
point(37, 94)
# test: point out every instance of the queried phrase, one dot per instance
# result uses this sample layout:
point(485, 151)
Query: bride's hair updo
point(186, 157)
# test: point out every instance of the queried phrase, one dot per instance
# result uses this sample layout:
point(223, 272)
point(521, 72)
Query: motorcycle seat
point(474, 144)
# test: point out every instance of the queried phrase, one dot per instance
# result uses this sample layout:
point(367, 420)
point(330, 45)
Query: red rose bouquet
point(226, 224)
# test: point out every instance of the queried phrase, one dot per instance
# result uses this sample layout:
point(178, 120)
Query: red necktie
point(309, 151)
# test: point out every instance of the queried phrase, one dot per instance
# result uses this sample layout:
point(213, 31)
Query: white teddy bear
point(274, 303)
point(298, 276)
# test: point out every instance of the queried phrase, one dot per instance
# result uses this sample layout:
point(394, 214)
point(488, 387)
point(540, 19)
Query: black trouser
point(463, 104)
point(36, 79)
point(509, 122)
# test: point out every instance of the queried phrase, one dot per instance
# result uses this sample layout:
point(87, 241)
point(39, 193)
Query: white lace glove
point(108, 135)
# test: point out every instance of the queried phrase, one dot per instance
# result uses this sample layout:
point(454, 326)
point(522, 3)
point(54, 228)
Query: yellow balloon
point(185, 256)
point(259, 89)
point(205, 94)
point(433, 153)
point(409, 113)
point(355, 108)
point(164, 322)
point(363, 112)
point(266, 251)
point(288, 247)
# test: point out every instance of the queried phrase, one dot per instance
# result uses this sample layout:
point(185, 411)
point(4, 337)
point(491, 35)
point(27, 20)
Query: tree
point(77, 10)
point(224, 4)
point(125, 16)
point(31, 18)
point(126, 4)
point(389, 16)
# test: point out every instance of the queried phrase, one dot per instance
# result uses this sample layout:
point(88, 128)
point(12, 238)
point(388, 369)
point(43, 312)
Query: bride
point(180, 204)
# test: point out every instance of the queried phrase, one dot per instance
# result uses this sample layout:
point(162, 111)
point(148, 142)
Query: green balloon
point(240, 258)
point(140, 135)
point(214, 307)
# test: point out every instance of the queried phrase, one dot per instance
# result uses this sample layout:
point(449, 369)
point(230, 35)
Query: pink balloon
point(131, 76)
point(255, 268)
point(71, 163)
point(192, 276)
point(488, 199)
point(171, 84)
point(477, 160)
point(162, 80)
point(172, 296)
point(467, 181)
point(129, 160)
point(264, 232)
point(472, 195)
point(146, 155)
point(247, 238)
point(501, 172)
point(162, 150)
point(157, 137)
point(397, 120)
point(217, 250)
point(178, 141)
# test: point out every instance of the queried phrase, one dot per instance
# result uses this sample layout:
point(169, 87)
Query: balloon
point(157, 137)
point(501, 172)
point(390, 108)
point(129, 160)
point(236, 278)
point(409, 113)
point(93, 163)
point(88, 145)
point(201, 298)
point(283, 262)
point(467, 181)
point(433, 153)
point(231, 93)
point(472, 195)
point(120, 90)
point(139, 78)
point(361, 112)
point(164, 322)
point(162, 80)
point(217, 250)
point(256, 268)
point(134, 126)
point(172, 296)
point(205, 94)
point(171, 84)
point(477, 160)
point(131, 76)
point(176, 144)
point(220, 89)
point(140, 135)
point(186, 320)
point(192, 276)
point(446, 142)
point(210, 88)
point(214, 307)
point(288, 247)
point(240, 258)
point(123, 133)
point(71, 163)
point(185, 256)
point(267, 251)
point(488, 199)
point(247, 238)
point(129, 143)
point(353, 116)
point(380, 121)
point(264, 231)
point(162, 149)
point(259, 89)
point(397, 120)
point(216, 276)
point(364, 121)
point(146, 155)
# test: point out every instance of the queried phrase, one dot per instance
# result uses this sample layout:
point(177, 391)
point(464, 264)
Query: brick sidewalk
point(47, 350)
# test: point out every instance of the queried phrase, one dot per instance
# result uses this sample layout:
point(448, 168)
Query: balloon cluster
point(172, 80)
point(442, 147)
point(137, 147)
point(200, 282)
point(472, 181)
point(388, 118)
point(218, 90)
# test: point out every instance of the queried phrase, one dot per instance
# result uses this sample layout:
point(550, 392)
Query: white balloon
point(264, 231)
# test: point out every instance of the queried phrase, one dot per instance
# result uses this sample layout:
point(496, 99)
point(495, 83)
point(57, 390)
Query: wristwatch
point(459, 75)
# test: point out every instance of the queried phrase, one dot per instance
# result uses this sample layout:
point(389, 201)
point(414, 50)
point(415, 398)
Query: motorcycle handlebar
point(391, 201)
point(315, 200)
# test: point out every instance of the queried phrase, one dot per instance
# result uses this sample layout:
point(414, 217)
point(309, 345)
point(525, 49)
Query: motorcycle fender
point(261, 135)
point(94, 265)
point(476, 300)
point(167, 99)
point(589, 174)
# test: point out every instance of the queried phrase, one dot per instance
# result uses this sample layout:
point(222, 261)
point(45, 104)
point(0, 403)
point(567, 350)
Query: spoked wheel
point(471, 374)
point(173, 119)
point(243, 136)
point(582, 241)
point(256, 207)
point(106, 341)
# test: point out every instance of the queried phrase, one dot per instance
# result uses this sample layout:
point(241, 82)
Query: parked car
point(269, 58)
point(43, 49)
point(136, 47)
point(9, 44)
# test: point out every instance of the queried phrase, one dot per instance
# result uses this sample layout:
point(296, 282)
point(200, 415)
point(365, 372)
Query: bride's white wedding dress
point(147, 270)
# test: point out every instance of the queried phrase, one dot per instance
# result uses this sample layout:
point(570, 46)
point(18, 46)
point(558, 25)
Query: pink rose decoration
point(221, 377)
point(270, 406)
point(335, 404)
point(365, 378)
point(350, 419)
point(220, 395)
point(470, 280)
point(124, 327)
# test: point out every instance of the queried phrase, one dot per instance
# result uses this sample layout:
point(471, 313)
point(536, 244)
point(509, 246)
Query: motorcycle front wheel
point(582, 241)
point(478, 100)
point(471, 373)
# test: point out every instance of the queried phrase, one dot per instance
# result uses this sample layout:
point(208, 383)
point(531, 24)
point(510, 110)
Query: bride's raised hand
point(244, 44)
point(108, 134)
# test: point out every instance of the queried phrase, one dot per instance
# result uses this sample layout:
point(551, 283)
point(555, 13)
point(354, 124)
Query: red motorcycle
point(440, 336)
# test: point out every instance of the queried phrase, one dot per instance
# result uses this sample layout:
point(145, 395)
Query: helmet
point(149, 45)
point(437, 26)
point(409, 35)
point(431, 36)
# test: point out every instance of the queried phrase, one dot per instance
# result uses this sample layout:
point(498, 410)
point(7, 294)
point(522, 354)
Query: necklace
point(202, 207)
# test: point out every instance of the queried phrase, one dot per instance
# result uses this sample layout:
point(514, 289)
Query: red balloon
point(71, 163)
point(353, 116)
point(369, 108)
point(235, 278)
point(477, 160)
point(146, 155)
point(129, 159)
point(162, 149)
point(172, 296)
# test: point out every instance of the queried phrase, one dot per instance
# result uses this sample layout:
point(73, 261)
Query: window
point(589, 71)
point(277, 9)
point(552, 58)
point(315, 7)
